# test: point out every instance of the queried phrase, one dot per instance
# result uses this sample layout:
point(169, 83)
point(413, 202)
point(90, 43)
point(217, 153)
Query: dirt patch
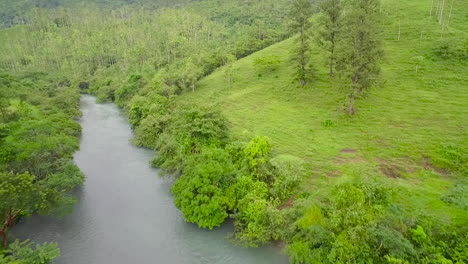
point(348, 150)
point(391, 171)
point(334, 173)
point(427, 164)
point(289, 203)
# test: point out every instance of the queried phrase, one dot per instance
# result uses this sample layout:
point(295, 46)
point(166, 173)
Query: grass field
point(408, 127)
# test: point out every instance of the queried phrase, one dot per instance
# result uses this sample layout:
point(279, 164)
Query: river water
point(125, 212)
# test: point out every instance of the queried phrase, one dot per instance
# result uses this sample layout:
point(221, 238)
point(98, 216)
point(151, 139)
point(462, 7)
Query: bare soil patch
point(289, 203)
point(348, 150)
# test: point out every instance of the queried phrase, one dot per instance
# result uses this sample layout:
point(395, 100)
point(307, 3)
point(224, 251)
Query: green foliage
point(251, 227)
point(106, 94)
point(257, 153)
point(147, 133)
point(26, 253)
point(356, 222)
point(18, 193)
point(300, 13)
point(251, 214)
point(199, 192)
point(458, 194)
point(140, 107)
point(328, 35)
point(450, 49)
point(339, 232)
point(313, 216)
point(125, 93)
point(359, 63)
point(451, 157)
point(289, 172)
point(180, 134)
point(267, 64)
point(37, 142)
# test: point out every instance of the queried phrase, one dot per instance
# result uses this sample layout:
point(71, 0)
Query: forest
point(335, 130)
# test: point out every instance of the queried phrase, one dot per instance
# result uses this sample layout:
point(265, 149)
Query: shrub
point(257, 153)
point(267, 63)
point(288, 173)
point(105, 94)
point(199, 193)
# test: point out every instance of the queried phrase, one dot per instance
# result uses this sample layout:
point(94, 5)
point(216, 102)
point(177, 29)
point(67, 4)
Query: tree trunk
point(441, 17)
point(354, 80)
point(399, 29)
point(432, 5)
point(332, 55)
point(4, 239)
point(303, 59)
point(450, 15)
point(8, 222)
point(351, 110)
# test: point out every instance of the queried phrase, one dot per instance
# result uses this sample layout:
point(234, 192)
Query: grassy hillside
point(411, 127)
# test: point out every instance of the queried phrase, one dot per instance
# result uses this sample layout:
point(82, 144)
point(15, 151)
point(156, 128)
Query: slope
point(411, 127)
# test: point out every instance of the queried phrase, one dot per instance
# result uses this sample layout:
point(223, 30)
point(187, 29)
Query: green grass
point(401, 123)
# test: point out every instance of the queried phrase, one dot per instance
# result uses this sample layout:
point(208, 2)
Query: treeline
point(17, 12)
point(38, 136)
point(82, 40)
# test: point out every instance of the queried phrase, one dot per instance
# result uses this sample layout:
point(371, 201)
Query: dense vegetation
point(365, 159)
point(38, 136)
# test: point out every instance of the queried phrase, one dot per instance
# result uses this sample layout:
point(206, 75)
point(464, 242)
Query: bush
point(452, 49)
point(267, 63)
point(150, 129)
point(257, 153)
point(125, 93)
point(199, 193)
point(140, 107)
point(458, 194)
point(289, 172)
point(105, 94)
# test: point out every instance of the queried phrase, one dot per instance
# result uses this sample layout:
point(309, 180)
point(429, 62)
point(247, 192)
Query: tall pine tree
point(300, 12)
point(360, 47)
point(330, 26)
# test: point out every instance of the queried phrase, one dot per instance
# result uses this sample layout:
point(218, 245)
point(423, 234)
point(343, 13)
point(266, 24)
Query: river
point(125, 213)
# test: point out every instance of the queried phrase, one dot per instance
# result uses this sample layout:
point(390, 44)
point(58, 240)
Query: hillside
point(408, 128)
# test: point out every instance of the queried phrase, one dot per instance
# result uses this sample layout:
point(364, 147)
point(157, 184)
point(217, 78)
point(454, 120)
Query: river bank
point(125, 211)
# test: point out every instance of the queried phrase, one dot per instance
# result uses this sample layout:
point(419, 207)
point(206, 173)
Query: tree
point(229, 71)
point(330, 22)
point(360, 47)
point(18, 195)
point(199, 193)
point(189, 76)
point(300, 12)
